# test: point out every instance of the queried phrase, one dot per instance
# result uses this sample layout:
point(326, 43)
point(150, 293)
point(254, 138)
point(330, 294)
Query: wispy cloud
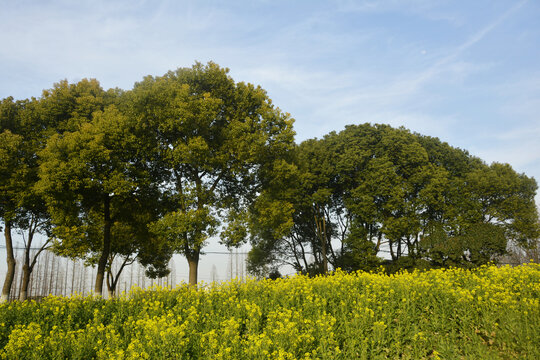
point(448, 63)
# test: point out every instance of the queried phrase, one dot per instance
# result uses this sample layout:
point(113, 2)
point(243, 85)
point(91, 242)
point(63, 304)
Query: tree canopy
point(373, 192)
point(142, 174)
point(214, 136)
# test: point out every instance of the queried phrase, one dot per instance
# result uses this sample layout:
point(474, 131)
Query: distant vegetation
point(113, 177)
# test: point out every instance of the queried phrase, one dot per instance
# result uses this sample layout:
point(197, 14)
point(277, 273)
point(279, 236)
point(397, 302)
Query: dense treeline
point(373, 190)
point(113, 176)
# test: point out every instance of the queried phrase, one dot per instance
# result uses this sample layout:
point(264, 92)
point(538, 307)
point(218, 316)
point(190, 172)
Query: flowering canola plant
point(486, 313)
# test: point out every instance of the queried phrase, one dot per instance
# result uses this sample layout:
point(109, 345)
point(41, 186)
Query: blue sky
point(467, 72)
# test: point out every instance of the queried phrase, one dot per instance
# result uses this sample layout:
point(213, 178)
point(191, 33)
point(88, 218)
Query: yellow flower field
point(487, 313)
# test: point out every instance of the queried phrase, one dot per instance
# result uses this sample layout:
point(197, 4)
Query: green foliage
point(197, 225)
point(94, 176)
point(78, 169)
point(20, 138)
point(12, 172)
point(213, 136)
point(375, 188)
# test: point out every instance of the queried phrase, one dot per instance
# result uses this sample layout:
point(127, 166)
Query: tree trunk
point(51, 275)
point(193, 261)
point(379, 240)
point(323, 244)
point(10, 274)
point(72, 291)
point(102, 264)
point(110, 286)
point(320, 222)
point(110, 289)
point(23, 295)
point(28, 266)
point(390, 245)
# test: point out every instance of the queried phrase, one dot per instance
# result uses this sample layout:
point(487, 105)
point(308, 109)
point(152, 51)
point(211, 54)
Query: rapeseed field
point(486, 313)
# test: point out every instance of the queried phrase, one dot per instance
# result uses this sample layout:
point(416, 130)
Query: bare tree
point(36, 223)
point(113, 276)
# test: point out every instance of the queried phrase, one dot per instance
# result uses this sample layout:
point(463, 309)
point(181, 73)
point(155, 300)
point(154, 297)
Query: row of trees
point(139, 174)
point(121, 176)
point(371, 190)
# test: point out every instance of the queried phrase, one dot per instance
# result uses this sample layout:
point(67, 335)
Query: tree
point(214, 138)
point(91, 177)
point(10, 168)
point(299, 217)
point(34, 218)
point(271, 222)
point(61, 108)
point(21, 207)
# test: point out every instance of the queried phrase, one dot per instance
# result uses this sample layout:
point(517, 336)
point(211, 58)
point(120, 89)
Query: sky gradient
point(467, 72)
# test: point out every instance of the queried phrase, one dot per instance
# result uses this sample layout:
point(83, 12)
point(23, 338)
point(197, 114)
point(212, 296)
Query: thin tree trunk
point(293, 249)
point(193, 255)
point(26, 269)
point(303, 251)
point(73, 278)
point(328, 238)
point(65, 292)
point(51, 274)
point(16, 289)
point(10, 274)
point(325, 245)
point(112, 280)
point(102, 264)
point(321, 232)
point(30, 287)
point(19, 273)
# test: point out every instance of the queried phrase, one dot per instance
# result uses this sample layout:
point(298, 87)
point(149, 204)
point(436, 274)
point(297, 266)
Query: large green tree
point(92, 174)
point(214, 139)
